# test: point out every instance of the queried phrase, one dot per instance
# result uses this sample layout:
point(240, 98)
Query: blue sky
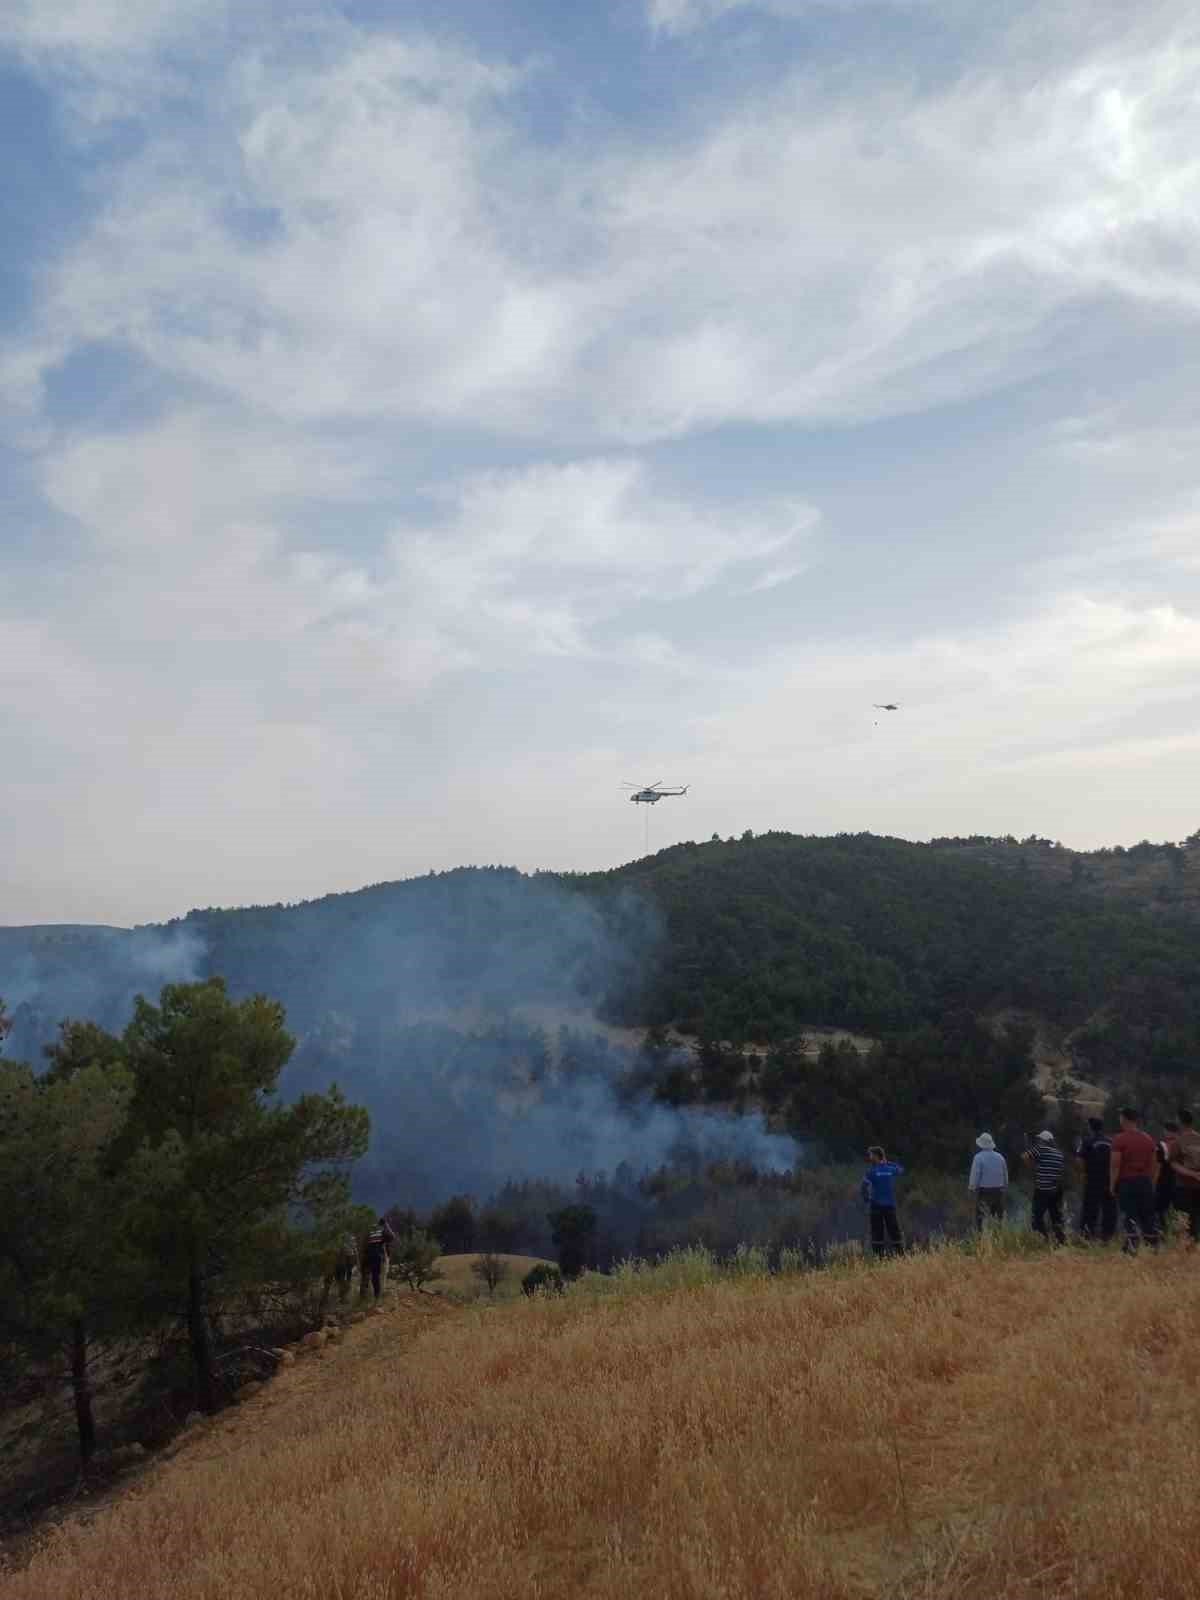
point(415, 420)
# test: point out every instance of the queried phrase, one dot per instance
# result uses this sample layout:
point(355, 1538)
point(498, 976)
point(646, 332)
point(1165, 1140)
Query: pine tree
point(69, 1281)
point(219, 1163)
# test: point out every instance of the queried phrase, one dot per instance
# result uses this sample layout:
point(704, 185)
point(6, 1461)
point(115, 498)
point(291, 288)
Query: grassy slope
point(1021, 1426)
point(458, 1279)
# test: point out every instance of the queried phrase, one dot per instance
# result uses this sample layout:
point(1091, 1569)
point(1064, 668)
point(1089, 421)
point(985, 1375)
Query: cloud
point(100, 27)
point(589, 539)
point(686, 16)
point(1079, 686)
point(359, 232)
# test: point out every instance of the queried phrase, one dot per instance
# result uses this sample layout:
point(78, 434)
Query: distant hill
point(427, 998)
point(765, 934)
point(742, 939)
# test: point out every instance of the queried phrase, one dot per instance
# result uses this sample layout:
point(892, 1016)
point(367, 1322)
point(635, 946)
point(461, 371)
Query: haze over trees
point(940, 958)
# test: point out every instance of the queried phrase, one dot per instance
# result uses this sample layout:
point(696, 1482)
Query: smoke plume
point(465, 1010)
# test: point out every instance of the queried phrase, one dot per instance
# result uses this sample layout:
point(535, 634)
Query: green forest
point(765, 935)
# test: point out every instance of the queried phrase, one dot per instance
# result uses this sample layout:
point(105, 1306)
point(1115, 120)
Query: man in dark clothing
point(1164, 1182)
point(1185, 1160)
point(879, 1192)
point(1049, 1167)
point(1132, 1177)
point(1099, 1202)
point(375, 1254)
point(347, 1260)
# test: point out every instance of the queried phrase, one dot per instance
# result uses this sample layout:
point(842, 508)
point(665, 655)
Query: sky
point(417, 420)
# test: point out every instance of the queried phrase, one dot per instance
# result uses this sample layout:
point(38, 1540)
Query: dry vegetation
point(459, 1280)
point(1008, 1426)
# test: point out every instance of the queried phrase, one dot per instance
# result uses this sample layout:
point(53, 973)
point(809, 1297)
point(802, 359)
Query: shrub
point(490, 1270)
point(545, 1277)
point(413, 1259)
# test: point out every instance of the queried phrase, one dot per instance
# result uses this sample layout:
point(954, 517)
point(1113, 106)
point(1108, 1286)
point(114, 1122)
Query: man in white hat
point(1049, 1169)
point(988, 1181)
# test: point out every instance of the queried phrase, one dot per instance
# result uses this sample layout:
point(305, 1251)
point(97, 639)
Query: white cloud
point(686, 16)
point(104, 26)
point(361, 233)
point(541, 554)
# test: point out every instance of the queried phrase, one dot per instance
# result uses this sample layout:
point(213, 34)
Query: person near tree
point(879, 1194)
point(347, 1260)
point(1049, 1169)
point(375, 1255)
point(988, 1181)
point(1132, 1177)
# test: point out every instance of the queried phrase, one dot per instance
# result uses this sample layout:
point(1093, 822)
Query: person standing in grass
point(1049, 1169)
point(1164, 1182)
point(346, 1262)
point(1099, 1202)
point(1185, 1158)
point(1132, 1177)
point(988, 1181)
point(375, 1256)
point(879, 1193)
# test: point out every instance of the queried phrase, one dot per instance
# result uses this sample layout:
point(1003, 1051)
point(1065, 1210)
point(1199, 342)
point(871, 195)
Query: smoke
point(462, 1111)
point(464, 1010)
point(48, 974)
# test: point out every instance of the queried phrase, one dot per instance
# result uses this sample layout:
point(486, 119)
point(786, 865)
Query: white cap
point(1046, 1136)
point(986, 1142)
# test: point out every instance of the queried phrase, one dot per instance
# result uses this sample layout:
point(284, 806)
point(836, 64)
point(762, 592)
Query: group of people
point(371, 1257)
point(1129, 1172)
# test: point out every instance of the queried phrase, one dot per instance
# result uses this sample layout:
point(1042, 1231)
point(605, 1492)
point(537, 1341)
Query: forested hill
point(746, 940)
point(762, 935)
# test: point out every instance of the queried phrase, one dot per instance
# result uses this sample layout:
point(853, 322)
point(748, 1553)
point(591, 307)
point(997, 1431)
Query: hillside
point(748, 938)
point(491, 1020)
point(921, 1431)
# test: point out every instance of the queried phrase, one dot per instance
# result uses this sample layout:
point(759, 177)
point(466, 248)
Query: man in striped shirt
point(1049, 1168)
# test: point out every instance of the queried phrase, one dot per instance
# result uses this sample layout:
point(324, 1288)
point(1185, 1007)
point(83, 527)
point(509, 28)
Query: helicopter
point(652, 793)
point(878, 707)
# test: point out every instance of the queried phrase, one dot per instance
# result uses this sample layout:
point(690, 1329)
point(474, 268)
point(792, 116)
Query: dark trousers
point(1099, 1206)
point(1187, 1200)
point(989, 1205)
point(1049, 1203)
point(1164, 1197)
point(885, 1231)
point(375, 1269)
point(1135, 1196)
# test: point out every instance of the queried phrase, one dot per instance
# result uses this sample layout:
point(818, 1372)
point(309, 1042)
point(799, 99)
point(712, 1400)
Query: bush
point(491, 1271)
point(413, 1259)
point(545, 1277)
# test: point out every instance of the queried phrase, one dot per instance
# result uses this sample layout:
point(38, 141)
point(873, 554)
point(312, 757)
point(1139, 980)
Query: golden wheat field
point(940, 1427)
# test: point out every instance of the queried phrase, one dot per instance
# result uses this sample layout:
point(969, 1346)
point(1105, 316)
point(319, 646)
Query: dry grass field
point(458, 1279)
point(944, 1426)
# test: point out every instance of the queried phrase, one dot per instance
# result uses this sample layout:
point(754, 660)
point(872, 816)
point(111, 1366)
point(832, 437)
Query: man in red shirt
point(1132, 1170)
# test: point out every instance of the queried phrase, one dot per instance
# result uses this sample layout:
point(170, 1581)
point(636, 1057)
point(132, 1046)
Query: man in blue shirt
point(879, 1193)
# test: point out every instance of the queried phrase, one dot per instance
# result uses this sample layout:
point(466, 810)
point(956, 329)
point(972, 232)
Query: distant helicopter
point(652, 793)
point(878, 707)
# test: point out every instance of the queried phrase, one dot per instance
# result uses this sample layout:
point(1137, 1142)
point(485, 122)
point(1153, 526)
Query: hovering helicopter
point(652, 793)
point(878, 707)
